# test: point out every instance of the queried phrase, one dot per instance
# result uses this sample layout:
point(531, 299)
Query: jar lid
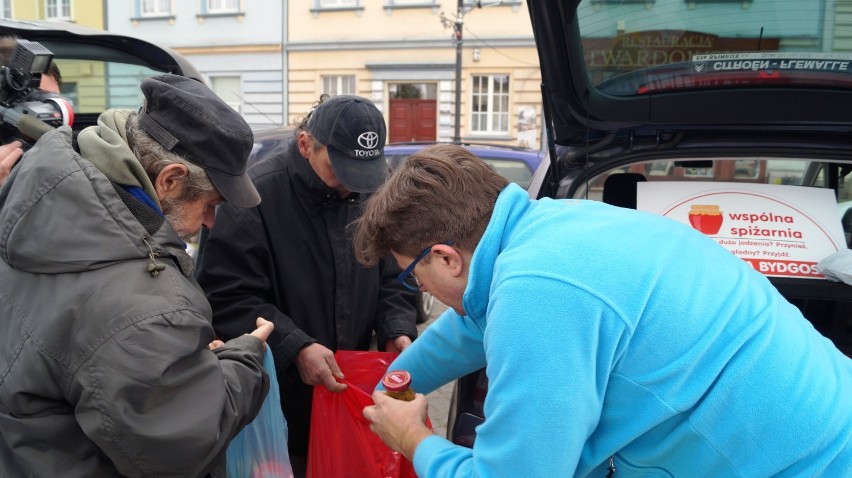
point(396, 380)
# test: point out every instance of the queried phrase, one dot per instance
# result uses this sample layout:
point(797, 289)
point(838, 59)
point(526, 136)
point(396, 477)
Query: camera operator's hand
point(9, 155)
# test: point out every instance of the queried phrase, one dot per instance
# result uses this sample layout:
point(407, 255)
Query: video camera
point(26, 111)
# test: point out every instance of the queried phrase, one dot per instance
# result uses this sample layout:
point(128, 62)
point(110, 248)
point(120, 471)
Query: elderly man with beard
point(108, 361)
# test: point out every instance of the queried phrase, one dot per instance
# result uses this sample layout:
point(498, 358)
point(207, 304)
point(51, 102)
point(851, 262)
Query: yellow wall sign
point(779, 230)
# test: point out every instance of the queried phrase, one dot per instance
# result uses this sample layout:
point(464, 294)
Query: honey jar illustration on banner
point(706, 218)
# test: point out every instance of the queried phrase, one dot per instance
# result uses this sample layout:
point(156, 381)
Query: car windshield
point(636, 47)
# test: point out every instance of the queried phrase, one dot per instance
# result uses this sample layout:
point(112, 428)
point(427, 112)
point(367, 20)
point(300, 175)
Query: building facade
point(235, 44)
point(272, 59)
point(89, 13)
point(402, 54)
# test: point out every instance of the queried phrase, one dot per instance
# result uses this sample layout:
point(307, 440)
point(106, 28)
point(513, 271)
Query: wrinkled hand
point(317, 367)
point(9, 155)
point(400, 424)
point(397, 344)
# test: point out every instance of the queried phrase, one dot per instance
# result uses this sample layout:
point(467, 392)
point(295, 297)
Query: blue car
point(516, 164)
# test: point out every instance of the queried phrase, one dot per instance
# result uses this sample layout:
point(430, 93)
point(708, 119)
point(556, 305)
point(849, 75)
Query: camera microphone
point(29, 126)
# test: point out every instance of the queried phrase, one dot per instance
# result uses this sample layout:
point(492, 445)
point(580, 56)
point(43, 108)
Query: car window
point(763, 170)
point(515, 171)
point(94, 86)
point(637, 47)
point(822, 179)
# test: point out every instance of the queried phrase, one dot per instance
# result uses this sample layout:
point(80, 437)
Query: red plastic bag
point(341, 443)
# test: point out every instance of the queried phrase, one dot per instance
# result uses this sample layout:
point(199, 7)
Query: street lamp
point(457, 29)
point(457, 26)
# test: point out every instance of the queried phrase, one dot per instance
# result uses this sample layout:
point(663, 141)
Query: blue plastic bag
point(260, 449)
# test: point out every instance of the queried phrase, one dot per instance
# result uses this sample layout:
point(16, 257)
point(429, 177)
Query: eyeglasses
point(407, 277)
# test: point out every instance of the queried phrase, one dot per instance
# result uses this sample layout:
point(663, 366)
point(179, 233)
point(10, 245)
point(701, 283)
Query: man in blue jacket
point(609, 336)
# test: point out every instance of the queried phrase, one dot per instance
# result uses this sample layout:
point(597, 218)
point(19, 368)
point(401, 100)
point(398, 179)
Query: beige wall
point(89, 13)
point(373, 23)
point(26, 10)
point(345, 42)
point(379, 23)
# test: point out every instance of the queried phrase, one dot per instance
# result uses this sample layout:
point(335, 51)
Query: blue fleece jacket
point(606, 331)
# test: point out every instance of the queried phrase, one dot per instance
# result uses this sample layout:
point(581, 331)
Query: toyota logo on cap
point(368, 140)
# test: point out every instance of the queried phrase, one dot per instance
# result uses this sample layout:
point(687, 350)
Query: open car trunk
point(682, 93)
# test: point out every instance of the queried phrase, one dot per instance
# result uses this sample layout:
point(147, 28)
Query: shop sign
point(636, 50)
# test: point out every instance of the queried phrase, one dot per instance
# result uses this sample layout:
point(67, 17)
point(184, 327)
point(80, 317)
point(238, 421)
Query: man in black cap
point(107, 356)
point(291, 259)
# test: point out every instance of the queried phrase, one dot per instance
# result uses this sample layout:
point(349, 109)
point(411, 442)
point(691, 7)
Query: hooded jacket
point(104, 365)
point(612, 332)
point(291, 260)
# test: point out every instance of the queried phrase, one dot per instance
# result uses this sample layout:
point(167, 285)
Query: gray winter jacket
point(104, 367)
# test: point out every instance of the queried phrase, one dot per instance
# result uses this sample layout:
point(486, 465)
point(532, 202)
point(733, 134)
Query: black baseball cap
point(188, 118)
point(354, 131)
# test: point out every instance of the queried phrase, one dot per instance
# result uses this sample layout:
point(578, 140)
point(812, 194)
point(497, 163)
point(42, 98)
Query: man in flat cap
point(108, 360)
point(291, 259)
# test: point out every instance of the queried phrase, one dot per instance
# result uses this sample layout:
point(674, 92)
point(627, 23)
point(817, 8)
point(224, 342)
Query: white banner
point(779, 230)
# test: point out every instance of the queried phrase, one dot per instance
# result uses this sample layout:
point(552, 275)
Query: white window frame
point(54, 10)
point(335, 85)
point(337, 3)
point(494, 117)
point(223, 6)
point(161, 8)
point(6, 9)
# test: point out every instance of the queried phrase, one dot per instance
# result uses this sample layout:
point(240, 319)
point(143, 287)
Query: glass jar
point(397, 384)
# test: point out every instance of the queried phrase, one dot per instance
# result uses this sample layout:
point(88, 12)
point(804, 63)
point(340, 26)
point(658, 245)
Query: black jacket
point(291, 260)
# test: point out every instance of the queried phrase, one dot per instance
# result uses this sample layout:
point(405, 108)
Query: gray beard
point(173, 209)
